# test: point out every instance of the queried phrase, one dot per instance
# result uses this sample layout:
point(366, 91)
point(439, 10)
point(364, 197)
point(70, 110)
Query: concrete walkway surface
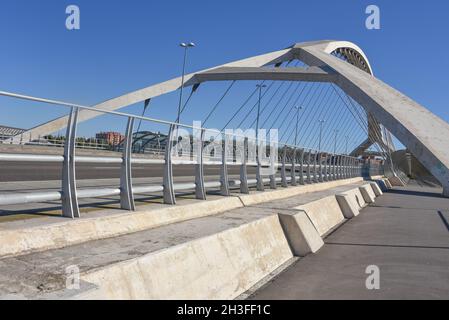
point(405, 234)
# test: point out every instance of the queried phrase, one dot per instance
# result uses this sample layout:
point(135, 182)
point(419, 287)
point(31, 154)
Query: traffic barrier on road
point(324, 213)
point(382, 184)
point(377, 191)
point(387, 183)
point(351, 202)
point(301, 234)
point(367, 193)
point(396, 181)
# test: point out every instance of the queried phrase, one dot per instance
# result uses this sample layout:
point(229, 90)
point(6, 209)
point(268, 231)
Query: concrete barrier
point(211, 257)
point(396, 181)
point(283, 193)
point(377, 191)
point(351, 202)
point(387, 183)
point(324, 213)
point(45, 236)
point(367, 193)
point(382, 185)
point(60, 232)
point(301, 234)
point(221, 266)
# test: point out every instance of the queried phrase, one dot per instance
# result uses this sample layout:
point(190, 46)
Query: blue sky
point(127, 45)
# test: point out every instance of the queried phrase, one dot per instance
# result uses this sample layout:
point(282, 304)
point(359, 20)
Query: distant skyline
point(124, 46)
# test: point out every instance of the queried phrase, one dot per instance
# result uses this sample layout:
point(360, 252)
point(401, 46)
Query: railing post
point(332, 167)
point(293, 168)
point(259, 178)
point(126, 187)
point(349, 168)
point(345, 175)
point(301, 167)
point(273, 166)
point(360, 168)
point(326, 173)
point(224, 168)
point(70, 208)
point(243, 171)
point(320, 167)
point(283, 170)
point(309, 160)
point(339, 168)
point(169, 192)
point(315, 168)
point(200, 191)
point(353, 167)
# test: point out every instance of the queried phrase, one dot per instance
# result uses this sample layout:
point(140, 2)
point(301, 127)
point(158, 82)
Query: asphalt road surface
point(45, 171)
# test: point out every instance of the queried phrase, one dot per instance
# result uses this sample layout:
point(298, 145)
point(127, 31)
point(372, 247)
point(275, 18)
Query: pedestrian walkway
point(405, 234)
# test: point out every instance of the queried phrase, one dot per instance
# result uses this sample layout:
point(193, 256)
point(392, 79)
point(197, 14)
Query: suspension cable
point(219, 101)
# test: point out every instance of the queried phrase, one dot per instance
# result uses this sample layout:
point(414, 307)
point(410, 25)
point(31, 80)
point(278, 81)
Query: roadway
point(45, 171)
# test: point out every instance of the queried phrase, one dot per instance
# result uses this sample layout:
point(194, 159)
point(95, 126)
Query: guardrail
point(304, 165)
point(370, 169)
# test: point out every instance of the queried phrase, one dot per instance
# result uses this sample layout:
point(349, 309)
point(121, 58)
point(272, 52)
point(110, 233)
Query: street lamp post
point(319, 150)
point(185, 46)
point(260, 186)
point(260, 87)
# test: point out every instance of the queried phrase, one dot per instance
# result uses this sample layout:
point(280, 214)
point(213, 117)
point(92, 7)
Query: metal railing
point(294, 165)
point(90, 143)
point(370, 169)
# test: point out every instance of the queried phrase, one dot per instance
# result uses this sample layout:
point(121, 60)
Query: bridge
point(243, 204)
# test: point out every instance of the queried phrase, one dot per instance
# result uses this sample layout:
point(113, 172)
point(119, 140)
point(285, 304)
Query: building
point(110, 137)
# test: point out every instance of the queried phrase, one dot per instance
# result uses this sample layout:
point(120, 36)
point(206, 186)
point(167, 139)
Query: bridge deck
point(406, 234)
